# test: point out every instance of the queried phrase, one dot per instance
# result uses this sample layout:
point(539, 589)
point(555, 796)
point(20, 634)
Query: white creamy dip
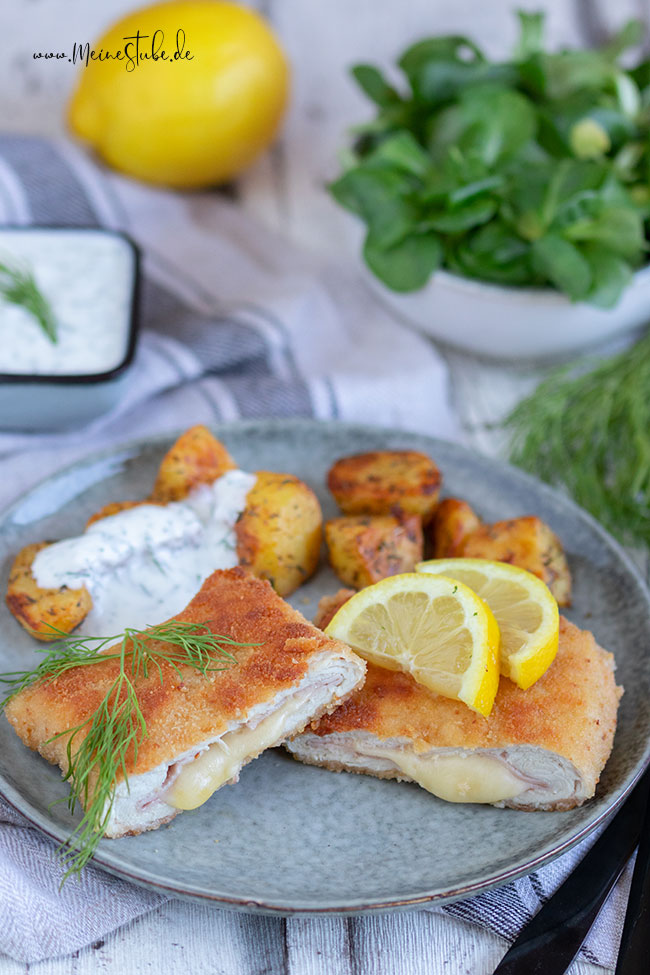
point(144, 565)
point(88, 278)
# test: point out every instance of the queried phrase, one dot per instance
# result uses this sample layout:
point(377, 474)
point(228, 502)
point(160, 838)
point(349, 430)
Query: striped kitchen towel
point(236, 323)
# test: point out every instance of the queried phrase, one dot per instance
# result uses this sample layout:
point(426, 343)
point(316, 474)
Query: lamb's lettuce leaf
point(534, 171)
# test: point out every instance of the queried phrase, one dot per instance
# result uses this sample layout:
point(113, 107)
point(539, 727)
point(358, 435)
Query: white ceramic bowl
point(514, 323)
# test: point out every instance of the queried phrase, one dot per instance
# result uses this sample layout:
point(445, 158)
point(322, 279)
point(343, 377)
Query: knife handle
point(552, 951)
point(634, 953)
point(549, 943)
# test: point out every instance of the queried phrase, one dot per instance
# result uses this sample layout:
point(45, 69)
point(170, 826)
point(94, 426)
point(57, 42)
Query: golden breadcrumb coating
point(185, 710)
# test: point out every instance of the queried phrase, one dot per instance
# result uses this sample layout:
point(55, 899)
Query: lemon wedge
point(524, 608)
point(435, 629)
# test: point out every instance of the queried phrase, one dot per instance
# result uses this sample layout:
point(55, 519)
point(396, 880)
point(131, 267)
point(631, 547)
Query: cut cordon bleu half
point(201, 729)
point(540, 749)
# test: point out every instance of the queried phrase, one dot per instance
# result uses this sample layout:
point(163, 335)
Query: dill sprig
point(97, 749)
point(19, 287)
point(590, 431)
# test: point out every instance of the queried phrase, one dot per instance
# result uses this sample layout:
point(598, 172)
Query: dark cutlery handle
point(550, 952)
point(634, 953)
point(550, 942)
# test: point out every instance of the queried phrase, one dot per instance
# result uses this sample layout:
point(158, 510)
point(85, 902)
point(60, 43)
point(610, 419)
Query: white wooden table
point(285, 191)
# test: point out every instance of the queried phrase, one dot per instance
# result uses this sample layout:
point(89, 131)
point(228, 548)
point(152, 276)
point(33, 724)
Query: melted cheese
point(458, 778)
point(214, 767)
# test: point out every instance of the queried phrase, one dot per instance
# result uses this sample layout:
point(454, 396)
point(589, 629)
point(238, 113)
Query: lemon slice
point(524, 608)
point(433, 628)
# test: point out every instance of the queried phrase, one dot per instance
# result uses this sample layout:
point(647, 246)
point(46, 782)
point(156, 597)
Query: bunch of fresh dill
point(99, 747)
point(590, 431)
point(19, 287)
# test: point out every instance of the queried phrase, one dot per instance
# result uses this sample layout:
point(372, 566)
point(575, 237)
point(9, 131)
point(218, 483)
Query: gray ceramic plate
point(290, 838)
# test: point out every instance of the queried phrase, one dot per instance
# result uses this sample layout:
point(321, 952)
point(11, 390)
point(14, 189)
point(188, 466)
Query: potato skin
point(196, 458)
point(279, 533)
point(453, 521)
point(457, 532)
point(35, 608)
point(382, 481)
point(527, 542)
point(366, 548)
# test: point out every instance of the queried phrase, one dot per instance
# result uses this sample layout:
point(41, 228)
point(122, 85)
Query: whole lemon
point(184, 93)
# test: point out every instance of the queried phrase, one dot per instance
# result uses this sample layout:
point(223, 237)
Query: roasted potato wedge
point(36, 609)
point(453, 521)
point(528, 542)
point(382, 481)
point(196, 458)
point(279, 533)
point(366, 548)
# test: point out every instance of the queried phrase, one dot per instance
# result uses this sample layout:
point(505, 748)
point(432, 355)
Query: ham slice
point(543, 748)
point(201, 730)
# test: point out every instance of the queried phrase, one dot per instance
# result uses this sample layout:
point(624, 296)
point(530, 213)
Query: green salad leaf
point(372, 82)
point(531, 172)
